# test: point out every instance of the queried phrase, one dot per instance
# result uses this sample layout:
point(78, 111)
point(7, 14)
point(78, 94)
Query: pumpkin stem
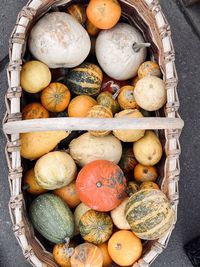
point(138, 46)
point(69, 251)
point(118, 246)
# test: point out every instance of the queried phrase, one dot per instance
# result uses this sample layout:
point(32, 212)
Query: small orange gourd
point(87, 255)
point(149, 185)
point(106, 257)
point(126, 98)
point(56, 97)
point(134, 81)
point(31, 185)
point(78, 12)
point(91, 29)
point(34, 111)
point(145, 173)
point(80, 105)
point(68, 194)
point(125, 248)
point(100, 111)
point(62, 254)
point(149, 68)
point(104, 14)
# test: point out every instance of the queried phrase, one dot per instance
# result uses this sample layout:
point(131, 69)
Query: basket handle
point(74, 124)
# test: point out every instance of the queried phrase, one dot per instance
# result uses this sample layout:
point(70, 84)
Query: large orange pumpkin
point(125, 248)
point(104, 14)
point(101, 185)
point(80, 105)
point(87, 255)
point(34, 111)
point(68, 194)
point(55, 97)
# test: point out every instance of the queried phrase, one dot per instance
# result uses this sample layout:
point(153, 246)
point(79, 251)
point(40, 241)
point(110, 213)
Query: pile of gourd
point(101, 188)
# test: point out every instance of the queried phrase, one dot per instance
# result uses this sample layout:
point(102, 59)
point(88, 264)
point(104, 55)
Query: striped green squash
point(52, 218)
point(85, 79)
point(149, 214)
point(95, 227)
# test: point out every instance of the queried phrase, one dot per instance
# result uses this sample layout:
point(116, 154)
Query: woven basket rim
point(160, 30)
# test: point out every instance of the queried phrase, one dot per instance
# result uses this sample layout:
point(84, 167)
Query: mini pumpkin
point(101, 185)
point(62, 253)
point(31, 185)
point(56, 97)
point(107, 100)
point(126, 98)
point(95, 227)
point(149, 68)
point(104, 14)
point(91, 29)
point(100, 111)
point(129, 135)
point(148, 185)
point(78, 12)
point(150, 93)
point(125, 248)
point(145, 173)
point(34, 111)
point(87, 255)
point(80, 105)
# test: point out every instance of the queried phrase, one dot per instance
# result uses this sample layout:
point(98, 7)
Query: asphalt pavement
point(185, 26)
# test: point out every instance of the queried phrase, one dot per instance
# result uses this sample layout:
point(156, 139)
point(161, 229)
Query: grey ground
point(185, 26)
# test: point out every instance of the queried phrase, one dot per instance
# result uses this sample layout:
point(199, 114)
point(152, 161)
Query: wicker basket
point(148, 17)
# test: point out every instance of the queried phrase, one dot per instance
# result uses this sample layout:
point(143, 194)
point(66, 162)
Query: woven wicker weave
point(148, 17)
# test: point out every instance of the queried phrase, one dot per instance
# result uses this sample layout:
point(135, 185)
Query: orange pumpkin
point(106, 257)
point(134, 81)
point(78, 12)
point(100, 111)
point(31, 185)
point(145, 173)
point(149, 68)
point(104, 14)
point(55, 97)
point(80, 105)
point(149, 185)
point(101, 185)
point(62, 254)
point(125, 248)
point(68, 194)
point(126, 98)
point(91, 29)
point(87, 255)
point(34, 111)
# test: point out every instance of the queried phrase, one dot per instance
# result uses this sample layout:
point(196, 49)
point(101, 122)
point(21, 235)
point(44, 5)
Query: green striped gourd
point(52, 218)
point(149, 214)
point(85, 79)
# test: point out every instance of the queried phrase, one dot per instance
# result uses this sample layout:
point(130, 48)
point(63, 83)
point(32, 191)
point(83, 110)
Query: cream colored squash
point(129, 135)
point(59, 40)
point(148, 150)
point(115, 53)
point(80, 210)
point(36, 144)
point(118, 216)
point(150, 93)
point(87, 148)
point(55, 170)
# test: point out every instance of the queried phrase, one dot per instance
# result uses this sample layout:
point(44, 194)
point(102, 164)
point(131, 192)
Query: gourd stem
point(138, 46)
point(69, 251)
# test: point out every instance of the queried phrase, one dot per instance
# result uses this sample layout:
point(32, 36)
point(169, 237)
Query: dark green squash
point(52, 218)
point(85, 79)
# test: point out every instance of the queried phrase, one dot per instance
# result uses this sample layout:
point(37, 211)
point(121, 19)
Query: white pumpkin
point(87, 148)
point(115, 52)
point(150, 93)
point(59, 40)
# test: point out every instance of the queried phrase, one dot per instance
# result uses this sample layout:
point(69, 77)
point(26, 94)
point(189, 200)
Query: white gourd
point(59, 40)
point(120, 51)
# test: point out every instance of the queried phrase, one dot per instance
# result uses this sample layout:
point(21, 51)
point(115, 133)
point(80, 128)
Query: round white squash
point(115, 53)
point(118, 216)
point(150, 93)
point(59, 40)
point(129, 135)
point(55, 170)
point(87, 148)
point(80, 210)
